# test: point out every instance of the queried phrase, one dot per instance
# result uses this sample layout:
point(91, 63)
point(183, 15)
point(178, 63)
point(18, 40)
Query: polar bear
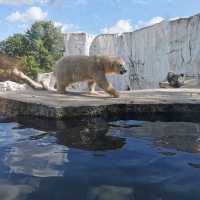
point(71, 69)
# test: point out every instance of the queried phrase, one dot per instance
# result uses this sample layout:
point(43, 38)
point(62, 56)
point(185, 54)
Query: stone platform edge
point(10, 108)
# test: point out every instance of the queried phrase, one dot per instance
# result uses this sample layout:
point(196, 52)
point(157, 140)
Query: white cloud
point(125, 25)
point(65, 27)
point(152, 21)
point(19, 2)
point(120, 27)
point(155, 20)
point(32, 14)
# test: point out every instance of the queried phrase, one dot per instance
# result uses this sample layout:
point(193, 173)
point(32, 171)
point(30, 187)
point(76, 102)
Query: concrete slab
point(75, 105)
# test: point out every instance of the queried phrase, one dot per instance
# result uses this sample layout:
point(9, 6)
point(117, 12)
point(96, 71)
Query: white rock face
point(150, 53)
point(77, 43)
point(12, 86)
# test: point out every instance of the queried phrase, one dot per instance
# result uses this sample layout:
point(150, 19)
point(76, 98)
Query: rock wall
point(77, 43)
point(150, 53)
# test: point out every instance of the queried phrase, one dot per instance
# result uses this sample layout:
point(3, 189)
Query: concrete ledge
point(79, 105)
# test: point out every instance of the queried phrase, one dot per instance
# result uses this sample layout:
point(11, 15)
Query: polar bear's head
point(118, 66)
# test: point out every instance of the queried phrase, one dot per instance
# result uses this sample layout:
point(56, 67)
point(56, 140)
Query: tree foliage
point(16, 45)
point(39, 47)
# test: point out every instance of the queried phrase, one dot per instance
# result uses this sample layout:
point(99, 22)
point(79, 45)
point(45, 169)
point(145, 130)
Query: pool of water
point(99, 160)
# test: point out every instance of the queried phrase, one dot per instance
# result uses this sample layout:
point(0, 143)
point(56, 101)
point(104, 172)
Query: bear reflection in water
point(97, 134)
point(86, 135)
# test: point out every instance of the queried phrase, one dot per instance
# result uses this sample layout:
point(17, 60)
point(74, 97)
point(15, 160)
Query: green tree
point(16, 45)
point(51, 37)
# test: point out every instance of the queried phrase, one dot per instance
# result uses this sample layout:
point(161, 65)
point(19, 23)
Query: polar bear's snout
point(123, 70)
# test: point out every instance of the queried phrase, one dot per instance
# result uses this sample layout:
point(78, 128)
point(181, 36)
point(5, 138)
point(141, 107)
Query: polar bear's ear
point(114, 63)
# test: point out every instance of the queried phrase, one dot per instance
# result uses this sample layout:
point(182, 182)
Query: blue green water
point(99, 160)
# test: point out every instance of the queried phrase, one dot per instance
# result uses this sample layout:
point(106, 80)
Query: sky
point(92, 16)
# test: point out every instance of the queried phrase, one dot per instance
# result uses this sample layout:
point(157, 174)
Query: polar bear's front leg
point(105, 85)
point(91, 87)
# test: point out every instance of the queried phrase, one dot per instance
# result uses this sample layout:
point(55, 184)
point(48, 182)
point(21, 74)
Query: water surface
point(99, 160)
